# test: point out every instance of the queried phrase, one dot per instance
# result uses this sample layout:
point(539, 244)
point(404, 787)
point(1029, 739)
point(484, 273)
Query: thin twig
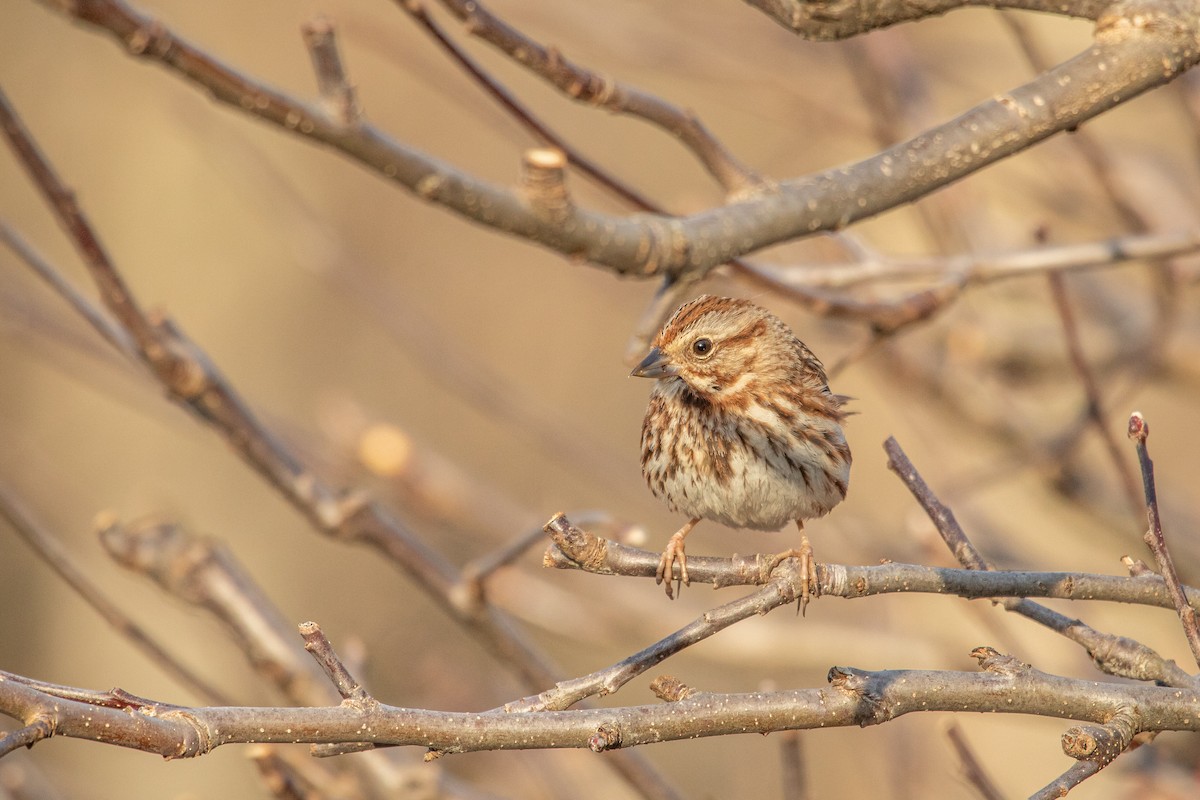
point(1093, 408)
point(586, 86)
point(318, 644)
point(320, 38)
point(1115, 655)
point(972, 769)
point(522, 113)
point(792, 771)
point(99, 320)
point(1079, 772)
point(1139, 431)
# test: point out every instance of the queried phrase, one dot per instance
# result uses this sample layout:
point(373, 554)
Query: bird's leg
point(674, 552)
point(809, 585)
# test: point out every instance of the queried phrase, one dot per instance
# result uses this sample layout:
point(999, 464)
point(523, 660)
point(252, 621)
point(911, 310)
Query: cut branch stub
point(543, 180)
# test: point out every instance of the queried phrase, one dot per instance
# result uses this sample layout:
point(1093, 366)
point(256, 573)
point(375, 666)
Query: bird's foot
point(674, 553)
point(810, 587)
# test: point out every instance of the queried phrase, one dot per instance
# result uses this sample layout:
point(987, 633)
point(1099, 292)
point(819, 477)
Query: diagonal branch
point(1139, 432)
point(192, 380)
point(1115, 655)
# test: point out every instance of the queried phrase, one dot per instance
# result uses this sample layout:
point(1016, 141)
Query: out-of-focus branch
point(203, 573)
point(602, 91)
point(1093, 404)
point(841, 20)
point(99, 320)
point(332, 83)
point(975, 269)
point(972, 769)
point(1131, 54)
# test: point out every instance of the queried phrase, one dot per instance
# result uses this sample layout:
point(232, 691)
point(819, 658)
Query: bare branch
point(98, 319)
point(318, 644)
point(1115, 655)
point(593, 89)
point(856, 697)
point(1139, 431)
point(977, 269)
point(841, 20)
point(1126, 59)
point(1060, 786)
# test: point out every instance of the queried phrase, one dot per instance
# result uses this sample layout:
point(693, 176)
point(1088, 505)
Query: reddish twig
point(1139, 432)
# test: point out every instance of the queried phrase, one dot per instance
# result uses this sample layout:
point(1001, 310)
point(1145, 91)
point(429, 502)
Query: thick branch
point(1147, 47)
point(855, 698)
point(841, 19)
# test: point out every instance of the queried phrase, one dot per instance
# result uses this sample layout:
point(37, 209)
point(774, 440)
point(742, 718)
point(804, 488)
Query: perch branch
point(601, 91)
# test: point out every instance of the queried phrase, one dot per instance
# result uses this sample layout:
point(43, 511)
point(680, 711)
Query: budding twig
point(1139, 431)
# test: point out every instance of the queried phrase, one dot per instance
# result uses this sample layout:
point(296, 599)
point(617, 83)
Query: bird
point(741, 428)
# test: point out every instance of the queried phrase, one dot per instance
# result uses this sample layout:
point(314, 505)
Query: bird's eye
point(702, 347)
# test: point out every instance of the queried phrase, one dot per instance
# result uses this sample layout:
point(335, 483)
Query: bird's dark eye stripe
point(702, 347)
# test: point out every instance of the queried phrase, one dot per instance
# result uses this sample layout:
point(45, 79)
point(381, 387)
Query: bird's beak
point(654, 365)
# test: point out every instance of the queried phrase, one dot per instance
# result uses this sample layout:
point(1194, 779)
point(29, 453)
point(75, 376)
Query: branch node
point(543, 181)
point(992, 660)
point(318, 644)
point(670, 689)
point(1101, 743)
point(585, 549)
point(337, 94)
point(42, 727)
point(606, 737)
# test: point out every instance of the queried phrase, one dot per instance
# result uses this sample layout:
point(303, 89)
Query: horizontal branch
point(855, 697)
point(1146, 47)
point(842, 19)
point(849, 581)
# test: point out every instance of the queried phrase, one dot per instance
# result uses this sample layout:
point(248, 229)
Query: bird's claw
point(674, 553)
point(810, 586)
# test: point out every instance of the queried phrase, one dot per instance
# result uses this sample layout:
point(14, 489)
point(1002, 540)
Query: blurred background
point(476, 384)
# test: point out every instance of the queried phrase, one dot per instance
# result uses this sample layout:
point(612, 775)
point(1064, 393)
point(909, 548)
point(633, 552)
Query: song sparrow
point(741, 429)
